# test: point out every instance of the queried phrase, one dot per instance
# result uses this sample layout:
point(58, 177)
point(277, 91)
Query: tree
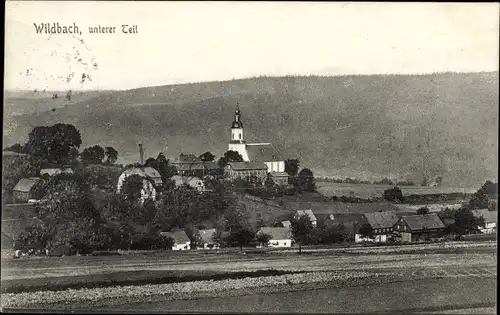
point(306, 180)
point(292, 167)
point(301, 229)
point(263, 239)
point(111, 155)
point(230, 156)
point(423, 210)
point(53, 143)
point(132, 186)
point(366, 230)
point(480, 199)
point(241, 235)
point(466, 222)
point(393, 194)
point(151, 162)
point(207, 157)
point(165, 169)
point(92, 155)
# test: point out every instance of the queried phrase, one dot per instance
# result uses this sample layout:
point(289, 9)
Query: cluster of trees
point(461, 221)
point(481, 198)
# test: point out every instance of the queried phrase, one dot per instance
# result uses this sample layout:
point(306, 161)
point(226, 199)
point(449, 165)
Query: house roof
point(244, 166)
point(286, 223)
point(187, 158)
point(180, 237)
point(263, 152)
point(488, 216)
point(325, 216)
point(25, 184)
point(206, 235)
point(279, 174)
point(192, 181)
point(56, 170)
point(307, 212)
point(144, 172)
point(423, 221)
point(276, 233)
point(380, 220)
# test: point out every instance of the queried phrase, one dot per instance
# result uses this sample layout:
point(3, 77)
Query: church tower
point(237, 143)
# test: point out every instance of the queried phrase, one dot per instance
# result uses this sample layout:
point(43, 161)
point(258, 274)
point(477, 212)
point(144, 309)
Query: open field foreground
point(208, 282)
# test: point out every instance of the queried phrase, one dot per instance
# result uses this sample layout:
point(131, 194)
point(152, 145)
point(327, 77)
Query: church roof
point(263, 152)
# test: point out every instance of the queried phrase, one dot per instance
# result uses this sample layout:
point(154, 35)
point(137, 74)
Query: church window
point(240, 136)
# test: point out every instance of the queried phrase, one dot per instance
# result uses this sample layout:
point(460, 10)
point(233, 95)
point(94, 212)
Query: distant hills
point(367, 127)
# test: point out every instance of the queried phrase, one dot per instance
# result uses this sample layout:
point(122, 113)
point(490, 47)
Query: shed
point(280, 237)
point(23, 191)
point(181, 240)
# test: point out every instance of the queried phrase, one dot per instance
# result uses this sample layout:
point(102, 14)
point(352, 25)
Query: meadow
point(370, 190)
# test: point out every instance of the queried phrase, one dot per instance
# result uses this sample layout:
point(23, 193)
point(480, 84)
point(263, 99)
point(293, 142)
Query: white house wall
point(275, 166)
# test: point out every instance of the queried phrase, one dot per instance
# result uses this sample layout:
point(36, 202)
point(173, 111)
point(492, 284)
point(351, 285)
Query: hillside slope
point(400, 126)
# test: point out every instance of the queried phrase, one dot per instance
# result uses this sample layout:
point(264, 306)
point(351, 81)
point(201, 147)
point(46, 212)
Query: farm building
point(150, 179)
point(206, 237)
point(414, 228)
point(310, 214)
point(247, 170)
point(192, 181)
point(280, 237)
point(490, 220)
point(181, 240)
point(23, 191)
point(286, 224)
point(381, 224)
point(191, 165)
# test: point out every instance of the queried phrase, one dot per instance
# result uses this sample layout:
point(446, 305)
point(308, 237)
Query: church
point(257, 152)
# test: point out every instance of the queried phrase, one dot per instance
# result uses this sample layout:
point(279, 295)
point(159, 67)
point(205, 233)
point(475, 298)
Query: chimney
point(141, 154)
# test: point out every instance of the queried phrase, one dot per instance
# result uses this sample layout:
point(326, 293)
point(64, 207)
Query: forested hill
point(366, 127)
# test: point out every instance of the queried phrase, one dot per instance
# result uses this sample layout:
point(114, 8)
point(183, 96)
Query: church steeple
point(237, 118)
point(237, 127)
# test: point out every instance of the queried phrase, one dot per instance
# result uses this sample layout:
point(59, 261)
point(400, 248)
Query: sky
point(180, 42)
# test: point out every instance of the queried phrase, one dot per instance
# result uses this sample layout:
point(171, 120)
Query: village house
point(250, 171)
point(150, 179)
point(309, 213)
point(490, 220)
point(192, 181)
point(280, 237)
point(257, 152)
point(381, 224)
point(181, 240)
point(191, 165)
point(23, 191)
point(414, 228)
point(207, 239)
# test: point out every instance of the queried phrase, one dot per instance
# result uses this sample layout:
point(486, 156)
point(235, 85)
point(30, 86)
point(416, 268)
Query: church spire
point(237, 118)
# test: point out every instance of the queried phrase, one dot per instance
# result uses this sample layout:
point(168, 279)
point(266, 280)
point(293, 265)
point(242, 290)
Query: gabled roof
point(180, 237)
point(25, 184)
point(307, 212)
point(381, 220)
point(423, 222)
point(187, 159)
point(244, 166)
point(263, 152)
point(206, 235)
point(276, 233)
point(488, 216)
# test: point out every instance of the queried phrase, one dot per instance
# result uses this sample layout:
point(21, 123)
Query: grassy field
point(173, 276)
